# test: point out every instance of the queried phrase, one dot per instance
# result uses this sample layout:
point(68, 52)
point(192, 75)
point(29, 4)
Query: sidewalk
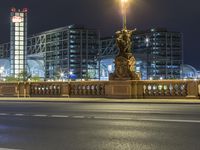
point(100, 100)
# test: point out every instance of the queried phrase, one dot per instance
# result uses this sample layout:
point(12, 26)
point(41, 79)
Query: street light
point(69, 75)
point(62, 75)
point(1, 71)
point(124, 6)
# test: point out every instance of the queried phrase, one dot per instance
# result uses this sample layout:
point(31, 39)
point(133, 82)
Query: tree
point(35, 78)
point(24, 76)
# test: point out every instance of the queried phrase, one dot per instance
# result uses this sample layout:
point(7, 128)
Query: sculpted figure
point(123, 40)
point(124, 61)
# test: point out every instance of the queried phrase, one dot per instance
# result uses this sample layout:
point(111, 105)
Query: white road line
point(3, 114)
point(18, 114)
point(79, 117)
point(39, 115)
point(59, 116)
point(8, 149)
point(111, 118)
point(102, 118)
point(107, 118)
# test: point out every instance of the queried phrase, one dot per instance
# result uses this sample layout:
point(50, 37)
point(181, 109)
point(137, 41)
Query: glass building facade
point(18, 38)
point(158, 52)
point(70, 51)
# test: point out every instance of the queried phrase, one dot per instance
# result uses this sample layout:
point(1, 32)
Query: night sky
point(176, 15)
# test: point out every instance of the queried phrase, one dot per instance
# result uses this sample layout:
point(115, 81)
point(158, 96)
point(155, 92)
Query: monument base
point(124, 68)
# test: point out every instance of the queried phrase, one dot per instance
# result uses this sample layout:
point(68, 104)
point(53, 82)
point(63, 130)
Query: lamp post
point(1, 72)
point(124, 6)
point(62, 75)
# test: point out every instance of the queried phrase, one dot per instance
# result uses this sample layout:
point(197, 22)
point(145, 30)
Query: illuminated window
point(16, 47)
point(21, 47)
point(16, 38)
point(21, 33)
point(17, 61)
point(16, 52)
point(16, 57)
point(21, 57)
point(16, 28)
point(16, 66)
point(17, 33)
point(17, 24)
point(21, 42)
point(16, 42)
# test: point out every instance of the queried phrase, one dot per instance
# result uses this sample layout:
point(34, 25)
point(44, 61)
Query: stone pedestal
point(124, 68)
point(119, 89)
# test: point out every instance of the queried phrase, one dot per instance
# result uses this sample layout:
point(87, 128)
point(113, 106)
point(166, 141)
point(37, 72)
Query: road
point(99, 126)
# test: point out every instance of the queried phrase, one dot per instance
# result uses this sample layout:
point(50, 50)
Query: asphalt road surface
point(99, 126)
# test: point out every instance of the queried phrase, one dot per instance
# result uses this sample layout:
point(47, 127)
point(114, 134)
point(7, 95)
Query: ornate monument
point(124, 61)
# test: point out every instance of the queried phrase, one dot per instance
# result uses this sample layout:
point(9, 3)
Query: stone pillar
point(192, 90)
point(65, 91)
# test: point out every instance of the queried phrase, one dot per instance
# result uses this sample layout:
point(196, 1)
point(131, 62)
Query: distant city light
point(62, 74)
point(109, 68)
point(147, 40)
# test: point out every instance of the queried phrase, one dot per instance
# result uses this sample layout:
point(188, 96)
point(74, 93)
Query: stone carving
point(124, 61)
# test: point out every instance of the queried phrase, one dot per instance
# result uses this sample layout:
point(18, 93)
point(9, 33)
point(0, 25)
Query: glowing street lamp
point(69, 75)
point(124, 6)
point(62, 75)
point(1, 71)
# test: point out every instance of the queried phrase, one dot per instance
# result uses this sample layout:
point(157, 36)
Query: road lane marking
point(39, 115)
point(3, 114)
point(8, 149)
point(59, 116)
point(95, 117)
point(106, 118)
point(18, 114)
point(78, 117)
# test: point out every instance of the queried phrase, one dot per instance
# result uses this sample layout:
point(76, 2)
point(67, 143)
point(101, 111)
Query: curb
point(101, 100)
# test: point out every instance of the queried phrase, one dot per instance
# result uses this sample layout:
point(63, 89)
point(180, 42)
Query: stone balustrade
point(165, 89)
point(104, 89)
point(87, 89)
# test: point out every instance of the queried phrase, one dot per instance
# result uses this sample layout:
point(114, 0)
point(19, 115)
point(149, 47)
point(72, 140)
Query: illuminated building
point(77, 50)
point(71, 49)
point(18, 41)
point(158, 52)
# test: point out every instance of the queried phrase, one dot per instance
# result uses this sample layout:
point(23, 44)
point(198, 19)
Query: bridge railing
point(87, 89)
point(104, 89)
point(170, 89)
